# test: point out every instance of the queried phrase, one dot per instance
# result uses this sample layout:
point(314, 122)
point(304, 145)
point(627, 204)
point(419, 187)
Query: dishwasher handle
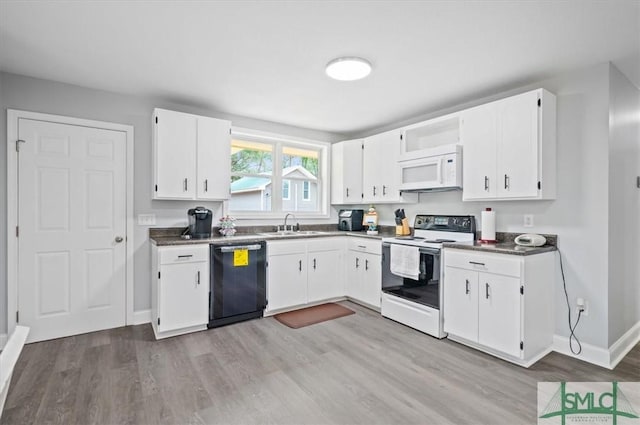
point(255, 247)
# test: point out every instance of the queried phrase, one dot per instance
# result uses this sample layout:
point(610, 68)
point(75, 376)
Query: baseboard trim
point(623, 345)
point(590, 353)
point(141, 317)
point(3, 340)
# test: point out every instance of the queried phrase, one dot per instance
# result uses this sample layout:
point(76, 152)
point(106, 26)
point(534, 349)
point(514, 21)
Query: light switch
point(146, 219)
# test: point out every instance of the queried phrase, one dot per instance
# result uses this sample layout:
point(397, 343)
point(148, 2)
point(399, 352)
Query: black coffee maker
point(200, 222)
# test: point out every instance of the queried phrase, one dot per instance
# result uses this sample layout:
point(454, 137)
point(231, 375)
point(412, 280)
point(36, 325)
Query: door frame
point(13, 117)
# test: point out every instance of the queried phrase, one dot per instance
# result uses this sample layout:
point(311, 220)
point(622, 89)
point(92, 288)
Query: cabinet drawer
point(503, 264)
point(372, 246)
point(286, 247)
point(183, 254)
point(325, 244)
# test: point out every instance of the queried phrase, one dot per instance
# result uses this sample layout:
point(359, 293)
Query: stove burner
point(439, 241)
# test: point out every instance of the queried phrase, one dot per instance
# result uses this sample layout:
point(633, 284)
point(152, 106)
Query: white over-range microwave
point(439, 168)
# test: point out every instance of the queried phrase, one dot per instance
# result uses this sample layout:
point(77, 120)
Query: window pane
point(286, 185)
point(305, 191)
point(251, 173)
point(305, 160)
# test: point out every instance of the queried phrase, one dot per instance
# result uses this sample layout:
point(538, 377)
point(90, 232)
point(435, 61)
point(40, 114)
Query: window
point(273, 174)
point(286, 185)
point(306, 193)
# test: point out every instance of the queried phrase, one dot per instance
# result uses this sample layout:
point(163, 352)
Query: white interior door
point(72, 226)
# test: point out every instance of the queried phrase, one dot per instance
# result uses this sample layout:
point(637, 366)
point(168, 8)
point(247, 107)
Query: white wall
point(624, 205)
point(578, 216)
point(30, 94)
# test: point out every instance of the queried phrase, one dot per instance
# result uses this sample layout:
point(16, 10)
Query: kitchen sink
point(292, 233)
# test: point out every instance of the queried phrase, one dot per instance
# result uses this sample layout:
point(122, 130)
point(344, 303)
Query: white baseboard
point(3, 340)
point(141, 317)
point(623, 345)
point(590, 353)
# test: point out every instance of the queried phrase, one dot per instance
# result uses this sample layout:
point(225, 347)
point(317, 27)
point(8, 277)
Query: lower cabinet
point(302, 272)
point(180, 294)
point(364, 271)
point(500, 303)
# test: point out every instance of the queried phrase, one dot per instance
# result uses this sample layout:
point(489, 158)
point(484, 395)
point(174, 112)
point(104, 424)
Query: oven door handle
point(432, 251)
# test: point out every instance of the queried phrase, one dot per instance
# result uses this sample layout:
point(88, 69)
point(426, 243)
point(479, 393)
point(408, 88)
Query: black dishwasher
point(238, 283)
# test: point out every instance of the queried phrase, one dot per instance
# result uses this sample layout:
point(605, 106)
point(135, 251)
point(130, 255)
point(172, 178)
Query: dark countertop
point(501, 247)
point(171, 237)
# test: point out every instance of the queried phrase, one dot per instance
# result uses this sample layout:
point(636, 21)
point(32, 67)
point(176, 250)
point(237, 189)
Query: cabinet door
point(183, 296)
point(371, 279)
point(373, 164)
point(479, 138)
point(353, 283)
point(460, 308)
point(286, 281)
point(499, 313)
point(175, 155)
point(324, 277)
point(213, 159)
point(517, 150)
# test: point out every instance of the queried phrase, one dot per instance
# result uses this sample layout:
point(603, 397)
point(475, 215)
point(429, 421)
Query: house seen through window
point(275, 176)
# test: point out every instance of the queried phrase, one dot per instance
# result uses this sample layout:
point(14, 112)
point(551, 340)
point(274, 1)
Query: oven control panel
point(447, 223)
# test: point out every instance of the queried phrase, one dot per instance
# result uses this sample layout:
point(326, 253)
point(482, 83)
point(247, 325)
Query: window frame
point(279, 141)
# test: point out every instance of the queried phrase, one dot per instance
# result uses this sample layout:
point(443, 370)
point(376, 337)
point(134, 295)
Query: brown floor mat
point(312, 315)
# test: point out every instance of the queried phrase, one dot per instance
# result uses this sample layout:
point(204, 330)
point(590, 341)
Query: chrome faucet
point(285, 221)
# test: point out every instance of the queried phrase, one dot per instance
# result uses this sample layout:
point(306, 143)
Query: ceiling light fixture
point(348, 68)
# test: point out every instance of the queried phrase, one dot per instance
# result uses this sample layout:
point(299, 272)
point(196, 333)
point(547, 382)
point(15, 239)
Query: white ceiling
point(265, 59)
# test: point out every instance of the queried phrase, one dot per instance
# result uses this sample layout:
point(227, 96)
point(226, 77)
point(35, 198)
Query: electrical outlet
point(583, 305)
point(146, 219)
point(528, 220)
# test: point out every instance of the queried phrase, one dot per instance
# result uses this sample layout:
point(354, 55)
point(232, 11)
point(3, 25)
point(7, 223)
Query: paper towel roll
point(488, 225)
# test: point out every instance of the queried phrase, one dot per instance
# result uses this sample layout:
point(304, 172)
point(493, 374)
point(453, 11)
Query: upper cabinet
point(346, 172)
point(510, 148)
point(421, 139)
point(191, 156)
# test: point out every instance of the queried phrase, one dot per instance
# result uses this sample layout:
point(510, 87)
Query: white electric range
point(412, 270)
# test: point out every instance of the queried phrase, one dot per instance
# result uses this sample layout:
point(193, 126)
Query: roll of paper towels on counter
point(488, 225)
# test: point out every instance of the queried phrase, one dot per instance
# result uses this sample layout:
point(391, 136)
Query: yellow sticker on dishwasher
point(240, 257)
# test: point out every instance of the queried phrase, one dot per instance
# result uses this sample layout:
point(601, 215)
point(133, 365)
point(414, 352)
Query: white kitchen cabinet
point(191, 158)
point(421, 139)
point(500, 303)
point(364, 271)
point(346, 172)
point(510, 148)
point(180, 293)
point(302, 272)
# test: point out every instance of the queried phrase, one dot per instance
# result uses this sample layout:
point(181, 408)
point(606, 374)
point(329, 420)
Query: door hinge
point(18, 144)
point(156, 120)
point(17, 231)
point(158, 275)
point(521, 345)
point(17, 316)
point(158, 321)
point(522, 290)
point(539, 185)
point(539, 102)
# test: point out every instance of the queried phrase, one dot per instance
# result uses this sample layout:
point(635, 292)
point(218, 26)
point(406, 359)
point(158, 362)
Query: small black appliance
point(350, 220)
point(200, 222)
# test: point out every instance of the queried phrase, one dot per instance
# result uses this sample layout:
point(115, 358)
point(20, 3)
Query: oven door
point(425, 290)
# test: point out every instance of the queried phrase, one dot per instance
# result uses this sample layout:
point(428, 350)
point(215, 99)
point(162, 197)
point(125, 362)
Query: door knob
point(119, 239)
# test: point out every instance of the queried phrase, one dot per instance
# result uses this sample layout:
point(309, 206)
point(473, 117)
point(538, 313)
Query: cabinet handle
point(466, 286)
point(362, 246)
point(366, 264)
point(486, 183)
point(476, 263)
point(486, 290)
point(347, 192)
point(185, 256)
point(198, 277)
point(186, 184)
point(357, 262)
point(374, 191)
point(384, 190)
point(506, 181)
point(299, 265)
point(206, 185)
point(314, 264)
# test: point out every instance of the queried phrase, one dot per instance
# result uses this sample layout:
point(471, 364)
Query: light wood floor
point(359, 369)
